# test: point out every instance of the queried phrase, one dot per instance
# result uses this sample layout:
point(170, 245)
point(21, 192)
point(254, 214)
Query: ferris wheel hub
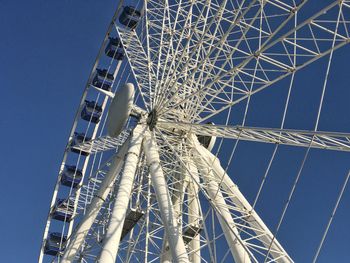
point(152, 119)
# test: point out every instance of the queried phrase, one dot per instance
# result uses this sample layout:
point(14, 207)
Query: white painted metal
point(273, 59)
point(115, 226)
point(120, 109)
point(315, 139)
point(78, 236)
point(238, 199)
point(190, 61)
point(172, 228)
point(194, 217)
point(73, 129)
point(53, 201)
point(166, 253)
point(104, 143)
point(65, 155)
point(84, 168)
point(236, 244)
point(177, 199)
point(138, 61)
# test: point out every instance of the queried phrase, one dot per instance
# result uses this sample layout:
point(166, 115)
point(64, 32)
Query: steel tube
point(227, 224)
point(172, 228)
point(238, 199)
point(111, 240)
point(78, 236)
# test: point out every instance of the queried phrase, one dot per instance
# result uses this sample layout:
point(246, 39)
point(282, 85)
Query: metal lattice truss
point(102, 143)
point(163, 196)
point(207, 57)
point(238, 215)
point(139, 63)
point(190, 176)
point(259, 56)
point(313, 139)
point(321, 140)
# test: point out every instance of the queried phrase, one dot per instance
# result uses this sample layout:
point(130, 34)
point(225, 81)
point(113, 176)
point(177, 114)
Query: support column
point(78, 236)
point(255, 222)
point(227, 224)
point(177, 199)
point(194, 213)
point(111, 240)
point(172, 229)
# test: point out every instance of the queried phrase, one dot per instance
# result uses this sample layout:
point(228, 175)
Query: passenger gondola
point(63, 210)
point(91, 112)
point(77, 139)
point(55, 243)
point(114, 49)
point(71, 176)
point(103, 79)
point(130, 17)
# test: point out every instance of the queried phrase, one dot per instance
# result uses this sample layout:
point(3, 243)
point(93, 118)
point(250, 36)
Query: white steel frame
point(192, 61)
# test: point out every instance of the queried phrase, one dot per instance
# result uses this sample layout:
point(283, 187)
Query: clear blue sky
point(47, 49)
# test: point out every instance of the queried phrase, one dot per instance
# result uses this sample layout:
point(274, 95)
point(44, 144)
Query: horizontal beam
point(314, 139)
point(101, 144)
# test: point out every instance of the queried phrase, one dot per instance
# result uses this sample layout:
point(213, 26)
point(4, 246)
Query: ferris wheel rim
point(182, 134)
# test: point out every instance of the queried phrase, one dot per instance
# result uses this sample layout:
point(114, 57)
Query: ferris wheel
point(146, 175)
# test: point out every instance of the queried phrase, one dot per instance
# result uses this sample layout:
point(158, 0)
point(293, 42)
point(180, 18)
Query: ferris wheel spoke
point(313, 139)
point(184, 24)
point(192, 61)
point(156, 27)
point(256, 237)
point(229, 41)
point(223, 55)
point(139, 62)
point(199, 39)
point(306, 43)
point(205, 34)
point(147, 51)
